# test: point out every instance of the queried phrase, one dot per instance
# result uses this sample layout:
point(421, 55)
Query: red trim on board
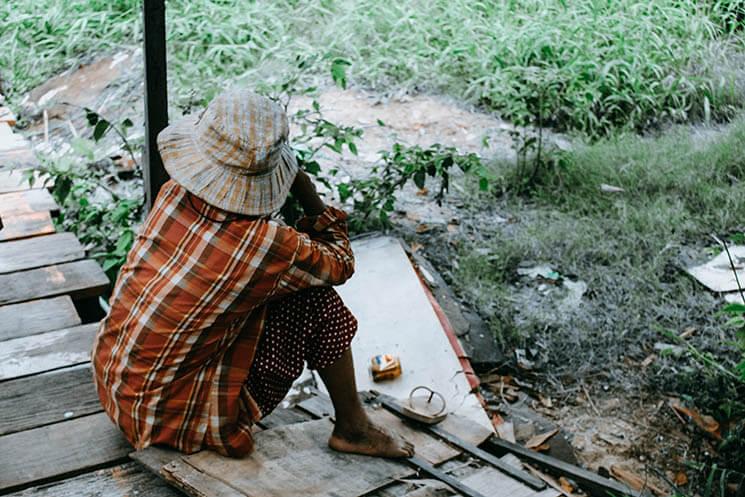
point(473, 380)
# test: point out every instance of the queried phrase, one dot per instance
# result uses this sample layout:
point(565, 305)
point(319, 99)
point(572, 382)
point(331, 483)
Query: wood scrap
point(635, 481)
point(540, 440)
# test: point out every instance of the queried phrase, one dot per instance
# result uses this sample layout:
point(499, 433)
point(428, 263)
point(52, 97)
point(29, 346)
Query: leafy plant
point(86, 187)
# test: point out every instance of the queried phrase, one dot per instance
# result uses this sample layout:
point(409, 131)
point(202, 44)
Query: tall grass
point(596, 65)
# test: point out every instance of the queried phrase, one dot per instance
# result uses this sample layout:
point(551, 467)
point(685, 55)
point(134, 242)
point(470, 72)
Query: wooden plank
point(593, 483)
point(281, 417)
point(25, 202)
point(491, 481)
point(7, 116)
point(10, 140)
point(26, 226)
point(46, 351)
point(78, 279)
point(19, 157)
point(288, 460)
point(40, 251)
point(125, 480)
point(47, 398)
point(34, 456)
point(14, 180)
point(37, 316)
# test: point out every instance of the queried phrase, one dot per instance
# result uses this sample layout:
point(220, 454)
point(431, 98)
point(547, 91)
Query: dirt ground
point(606, 429)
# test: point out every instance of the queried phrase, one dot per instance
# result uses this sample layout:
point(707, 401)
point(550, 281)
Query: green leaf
point(110, 263)
point(380, 123)
point(483, 184)
point(100, 130)
point(419, 178)
point(127, 123)
point(339, 72)
point(352, 147)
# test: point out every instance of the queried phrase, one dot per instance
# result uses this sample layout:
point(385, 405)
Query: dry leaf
point(680, 479)
point(540, 439)
point(633, 480)
point(545, 401)
point(648, 360)
point(566, 485)
point(416, 247)
point(422, 191)
point(423, 228)
point(703, 421)
point(452, 228)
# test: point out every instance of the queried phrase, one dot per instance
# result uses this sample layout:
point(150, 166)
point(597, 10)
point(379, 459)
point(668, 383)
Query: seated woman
point(218, 305)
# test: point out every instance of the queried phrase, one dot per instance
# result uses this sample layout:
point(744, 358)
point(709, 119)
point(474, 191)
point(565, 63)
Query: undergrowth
point(595, 66)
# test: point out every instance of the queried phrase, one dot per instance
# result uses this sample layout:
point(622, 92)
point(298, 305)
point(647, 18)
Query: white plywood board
point(396, 317)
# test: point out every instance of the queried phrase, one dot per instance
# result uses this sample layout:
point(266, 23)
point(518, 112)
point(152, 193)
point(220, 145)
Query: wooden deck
point(55, 439)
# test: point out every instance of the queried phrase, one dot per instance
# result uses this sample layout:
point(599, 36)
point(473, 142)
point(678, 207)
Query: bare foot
point(370, 440)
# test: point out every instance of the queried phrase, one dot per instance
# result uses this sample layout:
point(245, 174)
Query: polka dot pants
point(313, 326)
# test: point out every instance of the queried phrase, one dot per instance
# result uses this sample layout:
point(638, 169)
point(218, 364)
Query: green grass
point(628, 247)
point(591, 65)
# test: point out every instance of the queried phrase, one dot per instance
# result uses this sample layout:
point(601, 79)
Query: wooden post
point(156, 95)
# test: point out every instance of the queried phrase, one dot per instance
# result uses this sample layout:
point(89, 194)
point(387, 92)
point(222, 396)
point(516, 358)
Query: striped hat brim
point(219, 185)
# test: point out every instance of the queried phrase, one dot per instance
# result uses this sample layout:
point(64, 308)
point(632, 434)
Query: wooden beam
point(47, 398)
point(26, 202)
point(41, 251)
point(37, 316)
point(156, 96)
point(593, 483)
point(26, 226)
point(79, 279)
point(46, 351)
point(53, 452)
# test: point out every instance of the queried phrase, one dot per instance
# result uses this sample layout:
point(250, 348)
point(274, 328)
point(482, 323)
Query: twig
point(592, 404)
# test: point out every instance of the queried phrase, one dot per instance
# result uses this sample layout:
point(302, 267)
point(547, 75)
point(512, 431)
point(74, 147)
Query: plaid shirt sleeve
point(323, 253)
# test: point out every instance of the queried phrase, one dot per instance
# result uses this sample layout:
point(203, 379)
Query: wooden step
point(26, 225)
point(79, 279)
point(125, 480)
point(15, 180)
point(7, 116)
point(39, 251)
point(47, 398)
point(46, 351)
point(52, 452)
point(26, 202)
point(17, 158)
point(37, 316)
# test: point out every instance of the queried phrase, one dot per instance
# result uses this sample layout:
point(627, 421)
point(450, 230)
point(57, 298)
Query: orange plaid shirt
point(171, 358)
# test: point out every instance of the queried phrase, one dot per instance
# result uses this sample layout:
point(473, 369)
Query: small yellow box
point(385, 367)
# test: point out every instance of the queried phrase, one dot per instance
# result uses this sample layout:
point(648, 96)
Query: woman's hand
point(305, 192)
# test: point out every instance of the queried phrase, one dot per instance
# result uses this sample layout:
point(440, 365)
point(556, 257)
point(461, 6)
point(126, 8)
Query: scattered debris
point(538, 442)
point(717, 274)
point(610, 188)
point(635, 481)
point(707, 423)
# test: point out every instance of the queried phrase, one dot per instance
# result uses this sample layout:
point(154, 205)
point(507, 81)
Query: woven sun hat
point(235, 155)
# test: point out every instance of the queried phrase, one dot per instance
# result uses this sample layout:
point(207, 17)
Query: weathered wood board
point(125, 480)
point(10, 140)
point(14, 180)
point(288, 460)
point(78, 279)
point(47, 398)
point(15, 158)
point(488, 479)
point(32, 456)
point(26, 226)
point(39, 251)
point(46, 351)
point(37, 316)
point(25, 202)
